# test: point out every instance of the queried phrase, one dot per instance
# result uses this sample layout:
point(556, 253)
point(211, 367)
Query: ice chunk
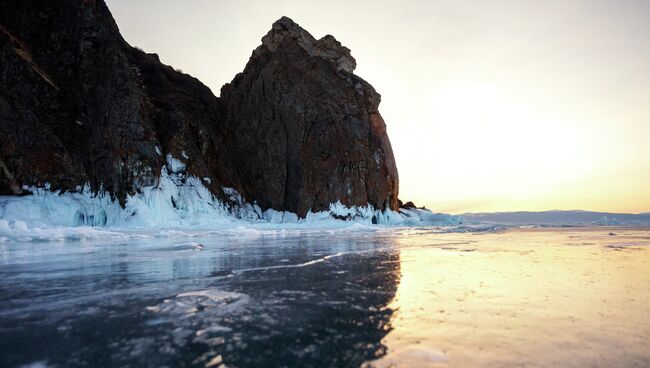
point(174, 166)
point(209, 300)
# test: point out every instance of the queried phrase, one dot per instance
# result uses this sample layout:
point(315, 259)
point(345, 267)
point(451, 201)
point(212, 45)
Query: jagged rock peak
point(305, 131)
point(327, 48)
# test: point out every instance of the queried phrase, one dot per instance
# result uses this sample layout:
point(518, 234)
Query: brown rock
point(311, 126)
point(409, 205)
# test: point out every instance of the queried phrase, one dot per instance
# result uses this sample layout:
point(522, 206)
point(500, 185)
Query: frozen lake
point(570, 297)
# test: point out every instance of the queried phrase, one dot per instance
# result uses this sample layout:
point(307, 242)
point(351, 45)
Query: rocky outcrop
point(72, 109)
point(295, 131)
point(298, 109)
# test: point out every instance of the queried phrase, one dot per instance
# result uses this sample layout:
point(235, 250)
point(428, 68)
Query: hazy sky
point(490, 105)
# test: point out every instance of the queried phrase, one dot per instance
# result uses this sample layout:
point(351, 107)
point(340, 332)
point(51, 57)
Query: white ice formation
point(178, 201)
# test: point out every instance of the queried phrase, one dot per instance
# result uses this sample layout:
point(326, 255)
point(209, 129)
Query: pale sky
point(490, 105)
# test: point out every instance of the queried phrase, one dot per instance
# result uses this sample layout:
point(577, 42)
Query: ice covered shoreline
point(178, 205)
point(181, 206)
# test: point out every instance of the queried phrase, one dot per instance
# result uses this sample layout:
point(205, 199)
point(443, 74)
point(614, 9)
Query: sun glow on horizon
point(500, 138)
point(499, 144)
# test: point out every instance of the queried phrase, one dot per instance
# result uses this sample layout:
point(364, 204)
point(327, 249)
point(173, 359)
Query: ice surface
point(412, 356)
point(39, 364)
point(394, 297)
point(178, 201)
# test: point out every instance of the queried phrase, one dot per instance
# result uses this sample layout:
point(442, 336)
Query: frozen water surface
point(403, 297)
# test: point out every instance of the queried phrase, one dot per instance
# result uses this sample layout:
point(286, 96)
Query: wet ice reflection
point(401, 297)
point(270, 300)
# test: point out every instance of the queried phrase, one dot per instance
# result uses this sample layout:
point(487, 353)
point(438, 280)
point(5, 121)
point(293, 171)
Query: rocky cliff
point(296, 130)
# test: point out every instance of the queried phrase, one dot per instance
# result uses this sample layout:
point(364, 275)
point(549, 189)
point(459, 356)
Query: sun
point(490, 143)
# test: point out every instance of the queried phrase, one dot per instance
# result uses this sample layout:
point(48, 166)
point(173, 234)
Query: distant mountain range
point(560, 218)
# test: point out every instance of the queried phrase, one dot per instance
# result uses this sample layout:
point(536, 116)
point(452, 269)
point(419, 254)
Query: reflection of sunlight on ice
point(548, 297)
point(410, 356)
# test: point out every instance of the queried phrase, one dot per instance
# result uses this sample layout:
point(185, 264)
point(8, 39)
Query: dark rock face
point(298, 109)
point(72, 110)
point(78, 104)
point(295, 131)
point(408, 205)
